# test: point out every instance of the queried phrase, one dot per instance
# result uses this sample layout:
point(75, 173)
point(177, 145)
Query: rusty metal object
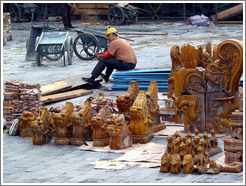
point(140, 120)
point(41, 128)
point(64, 129)
point(205, 97)
point(120, 136)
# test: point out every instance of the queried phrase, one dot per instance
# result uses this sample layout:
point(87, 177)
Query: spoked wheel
point(54, 57)
point(38, 56)
point(86, 46)
point(69, 50)
point(15, 12)
point(116, 15)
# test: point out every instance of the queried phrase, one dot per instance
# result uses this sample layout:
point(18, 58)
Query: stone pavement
point(24, 162)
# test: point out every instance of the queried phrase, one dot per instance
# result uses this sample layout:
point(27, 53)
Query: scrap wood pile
point(19, 97)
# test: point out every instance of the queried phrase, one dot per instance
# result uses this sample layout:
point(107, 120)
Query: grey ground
point(27, 163)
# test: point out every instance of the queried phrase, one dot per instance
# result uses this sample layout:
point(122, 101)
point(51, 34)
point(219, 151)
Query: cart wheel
point(38, 57)
point(116, 15)
point(86, 46)
point(69, 50)
point(15, 12)
point(54, 57)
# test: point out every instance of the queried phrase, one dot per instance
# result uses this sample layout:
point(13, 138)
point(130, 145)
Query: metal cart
point(53, 46)
point(88, 43)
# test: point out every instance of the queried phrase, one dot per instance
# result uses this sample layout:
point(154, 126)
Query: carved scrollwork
point(176, 58)
point(230, 54)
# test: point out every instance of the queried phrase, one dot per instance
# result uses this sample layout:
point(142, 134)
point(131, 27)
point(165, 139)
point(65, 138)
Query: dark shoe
point(106, 78)
point(89, 80)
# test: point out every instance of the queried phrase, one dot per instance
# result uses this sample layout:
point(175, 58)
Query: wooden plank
point(76, 81)
point(93, 11)
point(92, 5)
point(143, 33)
point(54, 87)
point(229, 12)
point(65, 95)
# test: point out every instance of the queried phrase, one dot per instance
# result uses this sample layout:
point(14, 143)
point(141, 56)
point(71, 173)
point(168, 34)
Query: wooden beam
point(229, 12)
point(91, 5)
point(143, 33)
point(54, 87)
point(65, 95)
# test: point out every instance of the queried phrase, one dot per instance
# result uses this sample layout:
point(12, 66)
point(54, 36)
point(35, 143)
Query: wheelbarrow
point(120, 13)
point(35, 32)
point(88, 43)
point(53, 46)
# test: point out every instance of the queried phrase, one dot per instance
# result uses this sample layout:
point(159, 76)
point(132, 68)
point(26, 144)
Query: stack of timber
point(122, 79)
point(19, 97)
point(91, 9)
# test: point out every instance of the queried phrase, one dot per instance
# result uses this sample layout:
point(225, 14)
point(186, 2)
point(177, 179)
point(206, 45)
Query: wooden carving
point(188, 164)
point(165, 162)
point(233, 145)
point(205, 97)
point(170, 144)
point(99, 125)
point(200, 161)
point(125, 102)
point(213, 168)
point(154, 112)
point(24, 123)
point(213, 141)
point(140, 120)
point(81, 122)
point(175, 164)
point(120, 136)
point(64, 130)
point(40, 128)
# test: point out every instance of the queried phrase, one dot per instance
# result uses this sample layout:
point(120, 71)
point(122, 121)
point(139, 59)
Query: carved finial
point(189, 54)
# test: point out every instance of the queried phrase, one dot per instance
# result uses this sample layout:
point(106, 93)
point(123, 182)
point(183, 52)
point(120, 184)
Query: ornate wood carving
point(81, 122)
point(153, 107)
point(41, 128)
point(64, 130)
point(125, 101)
point(120, 135)
point(204, 97)
point(24, 123)
point(140, 120)
point(99, 125)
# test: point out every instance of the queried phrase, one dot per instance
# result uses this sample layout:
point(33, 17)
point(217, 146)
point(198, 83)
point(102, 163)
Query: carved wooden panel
point(218, 80)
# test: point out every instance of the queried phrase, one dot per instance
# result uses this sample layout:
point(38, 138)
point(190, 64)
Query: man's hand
point(99, 55)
